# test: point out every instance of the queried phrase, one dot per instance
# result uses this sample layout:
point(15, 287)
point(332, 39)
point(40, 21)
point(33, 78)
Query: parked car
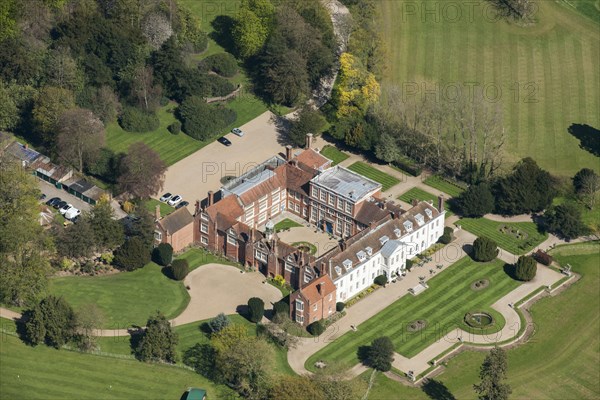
point(59, 204)
point(63, 210)
point(182, 204)
point(174, 200)
point(237, 131)
point(53, 201)
point(166, 196)
point(72, 213)
point(42, 197)
point(224, 141)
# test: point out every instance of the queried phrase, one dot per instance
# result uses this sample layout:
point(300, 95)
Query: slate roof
point(346, 183)
point(176, 221)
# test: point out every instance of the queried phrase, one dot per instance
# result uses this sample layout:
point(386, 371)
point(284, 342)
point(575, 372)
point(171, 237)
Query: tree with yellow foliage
point(357, 87)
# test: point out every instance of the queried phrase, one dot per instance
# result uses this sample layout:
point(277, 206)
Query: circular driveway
point(216, 288)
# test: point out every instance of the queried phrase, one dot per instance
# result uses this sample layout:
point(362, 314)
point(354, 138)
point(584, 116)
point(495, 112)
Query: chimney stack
point(197, 207)
point(211, 197)
point(309, 138)
point(415, 202)
point(288, 153)
point(319, 287)
point(440, 203)
point(157, 212)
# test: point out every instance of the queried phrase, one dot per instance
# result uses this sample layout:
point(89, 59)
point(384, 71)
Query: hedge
point(135, 120)
point(408, 165)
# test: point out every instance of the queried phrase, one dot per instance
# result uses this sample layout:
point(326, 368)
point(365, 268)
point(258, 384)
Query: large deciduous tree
point(587, 185)
point(48, 106)
point(492, 374)
point(81, 135)
point(157, 29)
point(24, 246)
point(142, 171)
point(143, 89)
point(76, 240)
point(249, 33)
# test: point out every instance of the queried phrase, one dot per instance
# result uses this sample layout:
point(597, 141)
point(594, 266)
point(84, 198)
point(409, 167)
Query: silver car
point(237, 131)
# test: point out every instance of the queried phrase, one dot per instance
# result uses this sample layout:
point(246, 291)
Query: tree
point(163, 254)
point(102, 101)
point(484, 249)
point(89, 317)
point(335, 386)
point(256, 309)
point(296, 387)
point(143, 172)
point(281, 310)
point(81, 135)
point(24, 245)
point(142, 227)
point(9, 113)
point(249, 33)
point(52, 319)
point(159, 341)
point(381, 280)
point(492, 373)
point(133, 119)
point(476, 201)
point(447, 236)
point(76, 240)
point(339, 306)
point(308, 120)
point(179, 269)
point(223, 64)
point(587, 184)
point(131, 255)
point(386, 148)
point(526, 268)
point(381, 354)
point(218, 323)
point(62, 70)
point(108, 232)
point(519, 10)
point(285, 76)
point(157, 29)
point(357, 88)
point(48, 106)
point(316, 328)
point(8, 15)
point(527, 189)
point(200, 120)
point(144, 91)
point(565, 220)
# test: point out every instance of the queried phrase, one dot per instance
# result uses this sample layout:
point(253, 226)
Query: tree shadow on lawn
point(511, 270)
point(363, 355)
point(589, 137)
point(437, 390)
point(244, 311)
point(222, 25)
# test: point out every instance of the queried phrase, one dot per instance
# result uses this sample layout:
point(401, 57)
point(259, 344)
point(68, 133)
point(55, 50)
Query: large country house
point(375, 236)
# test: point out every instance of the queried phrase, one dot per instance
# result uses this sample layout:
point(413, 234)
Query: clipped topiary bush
point(179, 269)
point(256, 309)
point(447, 236)
point(132, 254)
point(339, 306)
point(381, 280)
point(484, 249)
point(281, 308)
point(135, 120)
point(175, 127)
point(526, 268)
point(316, 328)
point(163, 254)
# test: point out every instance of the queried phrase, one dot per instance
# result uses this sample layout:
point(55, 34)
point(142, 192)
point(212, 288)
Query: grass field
point(45, 373)
point(420, 194)
point(443, 185)
point(443, 306)
point(555, 364)
point(545, 77)
point(387, 181)
point(509, 242)
point(334, 154)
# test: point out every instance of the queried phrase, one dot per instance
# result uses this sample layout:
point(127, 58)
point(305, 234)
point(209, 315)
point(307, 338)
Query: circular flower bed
point(479, 319)
point(416, 326)
point(480, 284)
point(305, 246)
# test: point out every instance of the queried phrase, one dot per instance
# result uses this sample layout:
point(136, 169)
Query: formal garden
point(441, 308)
point(453, 189)
point(334, 154)
point(387, 181)
point(514, 237)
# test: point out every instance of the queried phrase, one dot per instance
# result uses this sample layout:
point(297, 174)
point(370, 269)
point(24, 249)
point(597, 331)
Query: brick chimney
point(157, 212)
point(309, 139)
point(211, 197)
point(440, 203)
point(414, 202)
point(197, 207)
point(288, 153)
point(319, 288)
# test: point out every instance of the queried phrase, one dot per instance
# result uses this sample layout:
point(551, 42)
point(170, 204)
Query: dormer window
point(429, 213)
point(397, 232)
point(361, 255)
point(408, 226)
point(369, 251)
point(347, 264)
point(420, 219)
point(383, 239)
point(338, 270)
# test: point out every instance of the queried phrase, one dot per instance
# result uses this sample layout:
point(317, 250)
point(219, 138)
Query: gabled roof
point(176, 221)
point(317, 289)
point(312, 159)
point(225, 212)
point(368, 211)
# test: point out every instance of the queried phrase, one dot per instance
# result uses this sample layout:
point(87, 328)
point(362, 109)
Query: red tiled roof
point(225, 212)
point(312, 159)
point(311, 291)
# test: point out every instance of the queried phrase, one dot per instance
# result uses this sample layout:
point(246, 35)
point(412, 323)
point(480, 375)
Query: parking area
point(52, 191)
point(202, 171)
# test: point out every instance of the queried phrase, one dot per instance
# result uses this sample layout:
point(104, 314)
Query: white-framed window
point(349, 207)
point(331, 199)
point(158, 235)
point(297, 207)
point(315, 307)
point(231, 240)
point(203, 228)
point(340, 203)
point(275, 209)
point(204, 216)
point(289, 267)
point(300, 318)
point(304, 211)
point(204, 240)
point(323, 195)
point(262, 217)
point(260, 255)
point(262, 204)
point(299, 305)
point(307, 278)
point(297, 195)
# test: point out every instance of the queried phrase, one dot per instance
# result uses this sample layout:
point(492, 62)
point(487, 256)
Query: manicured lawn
point(443, 306)
point(387, 181)
point(386, 389)
point(507, 241)
point(334, 154)
point(544, 77)
point(444, 185)
point(420, 194)
point(589, 217)
point(286, 224)
point(165, 209)
point(589, 8)
point(198, 257)
point(126, 298)
point(45, 373)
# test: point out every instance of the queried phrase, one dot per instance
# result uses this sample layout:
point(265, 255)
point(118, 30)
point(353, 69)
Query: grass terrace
point(443, 306)
point(387, 181)
point(444, 185)
point(422, 195)
point(334, 154)
point(514, 237)
point(198, 257)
